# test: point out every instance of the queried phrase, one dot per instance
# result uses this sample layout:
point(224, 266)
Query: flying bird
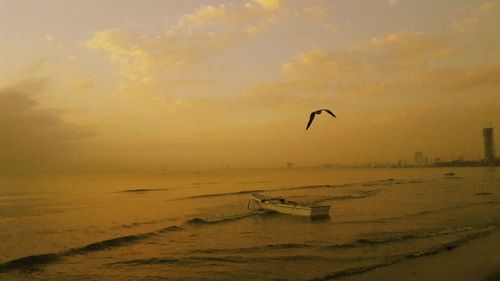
point(311, 118)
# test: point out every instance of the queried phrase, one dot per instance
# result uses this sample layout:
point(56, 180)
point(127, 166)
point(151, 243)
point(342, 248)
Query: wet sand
point(477, 260)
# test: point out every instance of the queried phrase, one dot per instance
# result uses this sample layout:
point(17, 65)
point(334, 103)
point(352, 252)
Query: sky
point(101, 86)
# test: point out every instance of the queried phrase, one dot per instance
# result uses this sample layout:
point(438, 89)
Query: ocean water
point(197, 226)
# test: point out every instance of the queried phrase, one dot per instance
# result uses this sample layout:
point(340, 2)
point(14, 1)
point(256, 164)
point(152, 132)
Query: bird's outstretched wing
point(330, 112)
point(311, 118)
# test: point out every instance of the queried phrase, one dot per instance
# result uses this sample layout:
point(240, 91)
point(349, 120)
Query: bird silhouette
point(311, 117)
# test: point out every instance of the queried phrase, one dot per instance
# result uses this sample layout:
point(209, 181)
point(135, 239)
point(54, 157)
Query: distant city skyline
point(421, 160)
point(489, 145)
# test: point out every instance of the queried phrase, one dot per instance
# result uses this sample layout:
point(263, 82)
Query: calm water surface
point(196, 226)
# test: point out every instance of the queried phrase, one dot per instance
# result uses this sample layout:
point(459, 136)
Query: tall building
point(419, 158)
point(489, 145)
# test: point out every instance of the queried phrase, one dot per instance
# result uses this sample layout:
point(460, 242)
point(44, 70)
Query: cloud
point(84, 84)
point(394, 52)
point(321, 65)
point(461, 79)
point(190, 49)
point(393, 2)
point(400, 66)
point(269, 4)
point(33, 138)
point(474, 17)
point(370, 69)
point(185, 49)
point(476, 29)
point(375, 85)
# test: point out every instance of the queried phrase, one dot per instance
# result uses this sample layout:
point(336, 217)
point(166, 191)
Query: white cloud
point(188, 50)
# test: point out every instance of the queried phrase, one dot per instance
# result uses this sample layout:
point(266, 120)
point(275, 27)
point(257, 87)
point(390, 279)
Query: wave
point(484, 193)
point(200, 221)
point(418, 214)
point(283, 246)
point(148, 261)
point(381, 182)
point(169, 229)
point(402, 258)
point(360, 221)
point(391, 182)
point(186, 260)
point(394, 237)
point(29, 261)
point(205, 183)
point(426, 212)
point(248, 182)
point(219, 259)
point(118, 242)
point(135, 224)
point(399, 237)
point(258, 190)
point(108, 244)
point(302, 187)
point(288, 246)
point(453, 207)
point(239, 192)
point(453, 178)
point(308, 187)
point(34, 261)
point(350, 196)
point(374, 183)
point(220, 194)
point(141, 190)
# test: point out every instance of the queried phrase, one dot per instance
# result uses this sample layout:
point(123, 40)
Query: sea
point(199, 225)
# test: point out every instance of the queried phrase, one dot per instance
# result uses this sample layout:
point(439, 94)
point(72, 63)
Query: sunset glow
point(159, 85)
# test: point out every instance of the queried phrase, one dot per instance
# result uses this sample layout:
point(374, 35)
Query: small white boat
point(281, 205)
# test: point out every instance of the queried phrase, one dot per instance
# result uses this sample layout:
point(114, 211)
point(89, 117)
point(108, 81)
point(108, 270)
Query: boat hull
point(291, 208)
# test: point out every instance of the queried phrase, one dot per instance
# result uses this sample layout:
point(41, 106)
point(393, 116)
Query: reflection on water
point(197, 225)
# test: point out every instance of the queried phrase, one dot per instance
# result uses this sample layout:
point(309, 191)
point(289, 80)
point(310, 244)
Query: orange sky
point(158, 85)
